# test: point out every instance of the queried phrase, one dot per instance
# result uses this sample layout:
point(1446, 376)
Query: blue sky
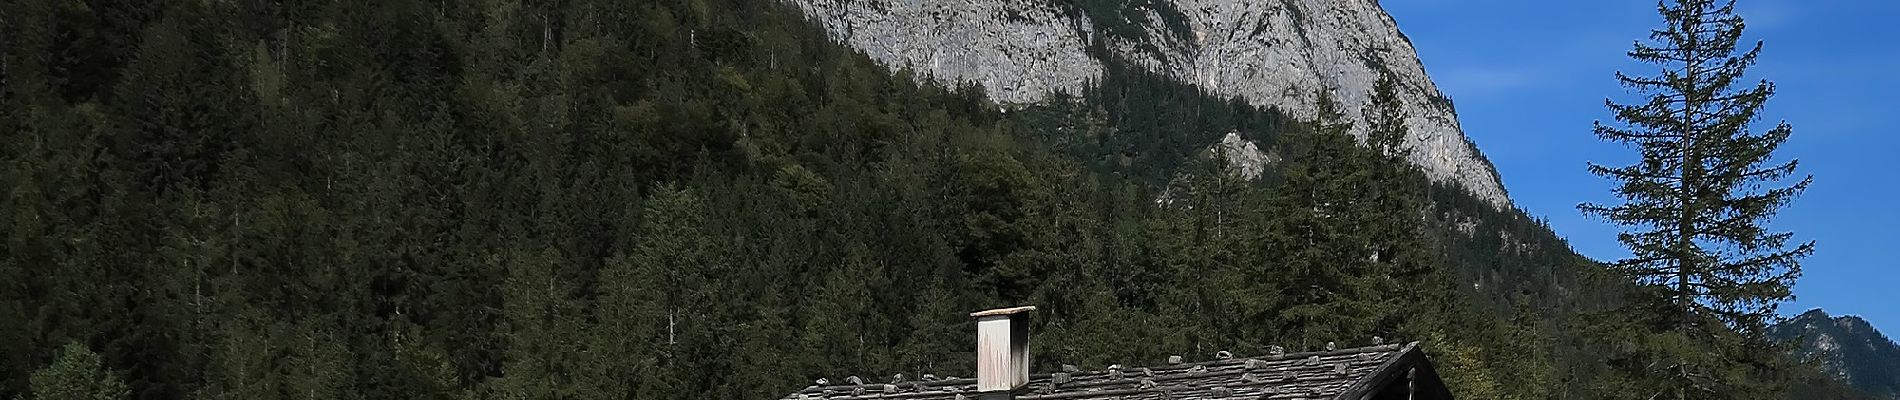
point(1528, 77)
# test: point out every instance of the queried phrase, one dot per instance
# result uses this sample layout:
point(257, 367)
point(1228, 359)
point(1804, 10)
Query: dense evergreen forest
point(685, 199)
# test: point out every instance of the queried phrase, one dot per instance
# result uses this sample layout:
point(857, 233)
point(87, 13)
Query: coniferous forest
point(686, 199)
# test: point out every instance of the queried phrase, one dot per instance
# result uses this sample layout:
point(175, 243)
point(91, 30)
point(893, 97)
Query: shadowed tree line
point(683, 199)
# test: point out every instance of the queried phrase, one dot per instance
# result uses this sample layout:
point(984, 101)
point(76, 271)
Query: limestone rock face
point(1019, 51)
point(1242, 156)
point(1278, 53)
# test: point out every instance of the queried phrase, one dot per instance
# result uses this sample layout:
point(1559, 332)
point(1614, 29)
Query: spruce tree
point(1385, 120)
point(1695, 206)
point(1395, 206)
point(1333, 289)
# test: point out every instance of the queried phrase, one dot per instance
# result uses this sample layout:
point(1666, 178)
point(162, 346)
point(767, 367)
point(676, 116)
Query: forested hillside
point(683, 199)
point(1846, 349)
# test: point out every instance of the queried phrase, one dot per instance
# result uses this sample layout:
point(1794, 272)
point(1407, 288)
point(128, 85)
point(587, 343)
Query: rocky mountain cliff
point(1847, 348)
point(1278, 53)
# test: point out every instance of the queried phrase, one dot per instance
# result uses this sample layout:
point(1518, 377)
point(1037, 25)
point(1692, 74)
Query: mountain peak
point(1288, 55)
point(1851, 323)
point(1847, 348)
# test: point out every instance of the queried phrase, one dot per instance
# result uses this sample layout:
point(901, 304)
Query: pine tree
point(1333, 288)
point(1385, 120)
point(539, 318)
point(1695, 205)
point(78, 374)
point(1396, 205)
point(936, 331)
point(842, 328)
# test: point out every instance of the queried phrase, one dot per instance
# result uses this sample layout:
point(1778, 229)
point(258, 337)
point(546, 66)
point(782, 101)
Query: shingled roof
point(1375, 372)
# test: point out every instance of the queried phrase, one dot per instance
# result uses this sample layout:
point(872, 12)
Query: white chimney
point(1002, 348)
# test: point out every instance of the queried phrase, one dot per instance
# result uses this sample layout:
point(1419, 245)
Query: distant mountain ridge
point(1848, 349)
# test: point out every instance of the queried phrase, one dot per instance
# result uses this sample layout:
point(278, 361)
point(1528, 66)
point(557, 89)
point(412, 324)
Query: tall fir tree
point(1333, 289)
point(1385, 119)
point(1395, 206)
point(1695, 209)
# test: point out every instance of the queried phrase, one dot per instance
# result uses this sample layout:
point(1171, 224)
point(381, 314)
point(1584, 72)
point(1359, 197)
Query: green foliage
point(78, 374)
point(1695, 208)
point(1338, 287)
point(1385, 119)
point(1132, 20)
point(688, 199)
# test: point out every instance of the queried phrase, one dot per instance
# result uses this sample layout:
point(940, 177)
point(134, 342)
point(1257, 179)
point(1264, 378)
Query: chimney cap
point(1002, 311)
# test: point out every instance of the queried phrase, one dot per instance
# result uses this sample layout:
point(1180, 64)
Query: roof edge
point(1392, 369)
point(1002, 311)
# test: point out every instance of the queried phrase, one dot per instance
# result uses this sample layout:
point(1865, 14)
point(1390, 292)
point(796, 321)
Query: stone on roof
point(1353, 373)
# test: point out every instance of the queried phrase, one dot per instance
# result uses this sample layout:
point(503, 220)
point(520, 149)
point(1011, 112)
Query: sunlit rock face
point(1019, 51)
point(1278, 53)
point(1245, 159)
